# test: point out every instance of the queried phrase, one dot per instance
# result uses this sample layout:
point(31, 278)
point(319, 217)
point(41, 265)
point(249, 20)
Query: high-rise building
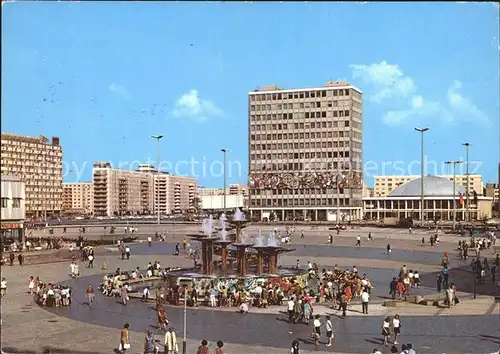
point(78, 198)
point(384, 185)
point(127, 192)
point(38, 162)
point(305, 153)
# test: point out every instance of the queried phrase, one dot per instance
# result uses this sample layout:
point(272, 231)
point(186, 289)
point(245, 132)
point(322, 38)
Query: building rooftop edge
point(261, 91)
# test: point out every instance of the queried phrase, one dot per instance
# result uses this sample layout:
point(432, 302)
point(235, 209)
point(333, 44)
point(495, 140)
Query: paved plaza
point(473, 326)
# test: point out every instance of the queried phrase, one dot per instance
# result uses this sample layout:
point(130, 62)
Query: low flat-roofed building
point(440, 203)
point(216, 202)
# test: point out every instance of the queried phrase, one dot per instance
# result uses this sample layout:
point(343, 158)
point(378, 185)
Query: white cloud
point(389, 84)
point(417, 102)
point(418, 108)
point(463, 105)
point(118, 89)
point(191, 106)
point(388, 80)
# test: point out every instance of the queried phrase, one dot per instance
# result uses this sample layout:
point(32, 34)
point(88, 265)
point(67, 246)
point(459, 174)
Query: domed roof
point(433, 187)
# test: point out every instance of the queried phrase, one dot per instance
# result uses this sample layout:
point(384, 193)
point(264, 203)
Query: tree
point(196, 205)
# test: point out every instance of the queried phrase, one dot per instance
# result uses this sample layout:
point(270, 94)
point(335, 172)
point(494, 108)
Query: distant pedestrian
point(91, 261)
point(370, 238)
point(127, 252)
point(295, 347)
point(149, 241)
point(439, 282)
point(329, 331)
point(386, 330)
point(220, 348)
point(343, 304)
point(365, 297)
point(302, 234)
point(90, 294)
point(358, 241)
point(396, 325)
point(124, 339)
point(20, 258)
point(203, 348)
point(388, 249)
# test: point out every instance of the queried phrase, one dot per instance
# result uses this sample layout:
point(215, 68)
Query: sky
point(106, 76)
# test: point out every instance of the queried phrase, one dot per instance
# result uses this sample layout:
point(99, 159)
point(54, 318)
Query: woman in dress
point(162, 316)
point(396, 325)
point(386, 330)
point(307, 311)
point(90, 294)
point(124, 339)
point(149, 343)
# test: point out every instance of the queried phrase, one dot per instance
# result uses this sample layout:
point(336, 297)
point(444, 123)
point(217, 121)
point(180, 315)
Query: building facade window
point(16, 202)
point(4, 202)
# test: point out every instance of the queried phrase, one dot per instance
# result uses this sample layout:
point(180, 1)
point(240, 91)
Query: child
point(31, 285)
point(329, 331)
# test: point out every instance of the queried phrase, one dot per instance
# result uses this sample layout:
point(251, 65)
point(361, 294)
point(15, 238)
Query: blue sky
point(105, 76)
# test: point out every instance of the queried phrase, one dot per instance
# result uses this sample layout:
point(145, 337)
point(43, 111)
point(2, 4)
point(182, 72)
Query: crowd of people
point(49, 294)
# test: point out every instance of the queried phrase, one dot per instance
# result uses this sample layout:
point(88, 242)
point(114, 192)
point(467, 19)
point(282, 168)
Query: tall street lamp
point(157, 204)
point(225, 151)
point(454, 163)
point(184, 340)
point(421, 131)
point(467, 212)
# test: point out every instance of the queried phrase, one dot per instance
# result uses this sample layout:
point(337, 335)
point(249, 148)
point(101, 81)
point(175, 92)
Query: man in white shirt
point(290, 308)
point(149, 241)
point(145, 294)
point(365, 297)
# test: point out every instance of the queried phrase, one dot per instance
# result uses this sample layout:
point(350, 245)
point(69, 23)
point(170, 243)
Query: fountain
point(253, 257)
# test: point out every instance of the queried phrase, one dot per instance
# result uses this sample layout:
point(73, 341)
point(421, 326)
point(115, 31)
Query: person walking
point(3, 287)
point(329, 331)
point(171, 346)
point(295, 347)
point(127, 252)
point(439, 282)
point(396, 325)
point(358, 241)
point(220, 348)
point(316, 330)
point(386, 330)
point(203, 348)
point(90, 294)
point(150, 240)
point(149, 343)
point(343, 305)
point(124, 339)
point(388, 249)
point(365, 297)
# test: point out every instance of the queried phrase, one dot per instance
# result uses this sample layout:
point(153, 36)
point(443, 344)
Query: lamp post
point(158, 138)
point(421, 131)
point(454, 164)
point(467, 212)
point(184, 342)
point(224, 151)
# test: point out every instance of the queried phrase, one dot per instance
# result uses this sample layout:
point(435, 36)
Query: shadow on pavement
point(53, 350)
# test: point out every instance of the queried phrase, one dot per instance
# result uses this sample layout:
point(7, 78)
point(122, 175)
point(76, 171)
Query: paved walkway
point(27, 327)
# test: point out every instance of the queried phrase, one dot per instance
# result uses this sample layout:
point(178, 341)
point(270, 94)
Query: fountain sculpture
point(252, 256)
